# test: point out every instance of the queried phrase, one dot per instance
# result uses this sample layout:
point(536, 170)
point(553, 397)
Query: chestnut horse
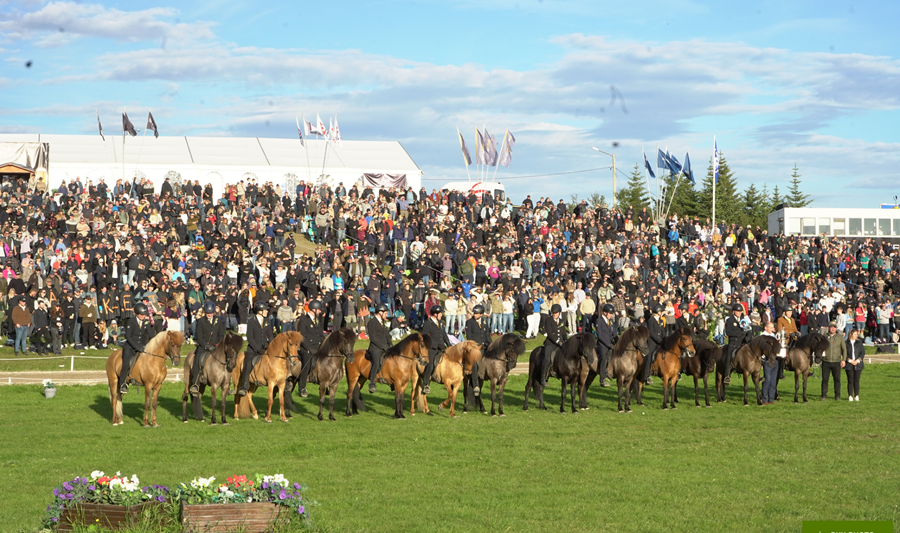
point(148, 370)
point(216, 372)
point(626, 361)
point(802, 354)
point(456, 363)
point(748, 361)
point(402, 364)
point(668, 362)
point(702, 365)
point(272, 370)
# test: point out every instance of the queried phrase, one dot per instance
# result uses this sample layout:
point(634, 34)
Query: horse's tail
point(197, 404)
point(243, 405)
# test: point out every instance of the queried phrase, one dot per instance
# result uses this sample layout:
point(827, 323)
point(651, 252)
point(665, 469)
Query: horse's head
point(588, 350)
point(686, 343)
point(173, 347)
point(348, 341)
point(424, 343)
point(233, 345)
point(513, 347)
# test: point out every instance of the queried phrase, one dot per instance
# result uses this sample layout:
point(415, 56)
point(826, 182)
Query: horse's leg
point(620, 382)
point(452, 391)
point(805, 376)
point(675, 388)
point(155, 394)
point(706, 387)
point(797, 385)
point(399, 393)
point(332, 391)
point(572, 396)
point(665, 384)
point(225, 387)
point(213, 391)
point(562, 394)
point(746, 381)
point(184, 397)
point(527, 390)
point(271, 388)
point(147, 404)
point(502, 389)
point(696, 392)
point(322, 391)
point(284, 417)
point(756, 385)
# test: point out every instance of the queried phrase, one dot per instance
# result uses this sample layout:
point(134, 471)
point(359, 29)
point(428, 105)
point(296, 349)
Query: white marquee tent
point(220, 160)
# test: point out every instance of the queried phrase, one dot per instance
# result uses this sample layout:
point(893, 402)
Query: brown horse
point(668, 362)
point(626, 361)
point(216, 372)
point(456, 363)
point(575, 359)
point(402, 364)
point(701, 365)
point(272, 370)
point(148, 370)
point(748, 361)
point(501, 357)
point(802, 354)
point(329, 368)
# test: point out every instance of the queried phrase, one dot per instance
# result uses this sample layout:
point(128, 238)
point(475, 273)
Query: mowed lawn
point(728, 467)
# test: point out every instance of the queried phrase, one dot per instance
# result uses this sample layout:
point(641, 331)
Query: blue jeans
point(495, 322)
point(770, 383)
point(507, 322)
point(21, 337)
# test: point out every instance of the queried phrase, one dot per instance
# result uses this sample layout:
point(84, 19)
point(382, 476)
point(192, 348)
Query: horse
point(668, 362)
point(626, 361)
point(329, 369)
point(402, 364)
point(148, 370)
point(575, 359)
point(216, 372)
point(455, 364)
point(501, 357)
point(748, 361)
point(802, 353)
point(272, 370)
point(701, 365)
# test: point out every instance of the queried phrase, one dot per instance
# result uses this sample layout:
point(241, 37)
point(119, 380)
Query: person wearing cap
point(138, 332)
point(477, 331)
point(735, 333)
point(310, 326)
point(605, 331)
point(210, 332)
point(657, 335)
point(259, 335)
point(555, 337)
point(379, 342)
point(833, 360)
point(440, 341)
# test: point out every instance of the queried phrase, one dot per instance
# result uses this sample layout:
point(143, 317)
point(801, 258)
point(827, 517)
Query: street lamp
point(613, 172)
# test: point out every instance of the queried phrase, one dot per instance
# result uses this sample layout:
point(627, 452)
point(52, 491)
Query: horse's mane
point(766, 344)
point(580, 345)
point(402, 346)
point(277, 346)
point(705, 348)
point(671, 341)
point(630, 336)
point(335, 341)
point(232, 341)
point(815, 341)
point(158, 345)
point(500, 347)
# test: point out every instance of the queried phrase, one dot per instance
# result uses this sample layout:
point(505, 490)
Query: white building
point(837, 222)
point(220, 160)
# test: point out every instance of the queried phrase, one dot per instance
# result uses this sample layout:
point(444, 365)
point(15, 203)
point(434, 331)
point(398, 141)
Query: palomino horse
point(456, 363)
point(802, 353)
point(668, 362)
point(216, 372)
point(574, 360)
point(501, 357)
point(149, 371)
point(701, 365)
point(272, 371)
point(402, 364)
point(329, 368)
point(627, 360)
point(748, 361)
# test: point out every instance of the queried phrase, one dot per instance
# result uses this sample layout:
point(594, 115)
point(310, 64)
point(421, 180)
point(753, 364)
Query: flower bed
point(111, 500)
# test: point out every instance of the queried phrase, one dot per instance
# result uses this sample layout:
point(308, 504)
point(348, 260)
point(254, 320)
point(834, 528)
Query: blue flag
point(687, 168)
point(661, 159)
point(673, 164)
point(647, 165)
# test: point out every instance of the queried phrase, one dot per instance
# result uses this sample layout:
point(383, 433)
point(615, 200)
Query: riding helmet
point(315, 304)
point(259, 307)
point(381, 308)
point(209, 307)
point(555, 309)
point(436, 309)
point(737, 307)
point(140, 309)
point(683, 307)
point(608, 308)
point(658, 308)
point(478, 310)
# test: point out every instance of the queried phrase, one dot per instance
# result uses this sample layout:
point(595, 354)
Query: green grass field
point(729, 467)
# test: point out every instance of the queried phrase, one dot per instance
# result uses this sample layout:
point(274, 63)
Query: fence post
point(72, 366)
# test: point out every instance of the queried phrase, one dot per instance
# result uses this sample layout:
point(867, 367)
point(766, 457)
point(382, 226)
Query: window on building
point(840, 226)
point(793, 226)
point(825, 226)
point(869, 227)
point(808, 226)
point(855, 226)
point(897, 226)
point(884, 227)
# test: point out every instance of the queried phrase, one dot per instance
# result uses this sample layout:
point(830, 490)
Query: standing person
point(735, 334)
point(259, 335)
point(138, 333)
point(88, 314)
point(606, 334)
point(477, 331)
point(833, 360)
point(788, 326)
point(440, 341)
point(534, 319)
point(379, 341)
point(21, 317)
point(41, 330)
point(210, 332)
point(657, 333)
point(310, 326)
point(854, 364)
point(556, 335)
point(770, 367)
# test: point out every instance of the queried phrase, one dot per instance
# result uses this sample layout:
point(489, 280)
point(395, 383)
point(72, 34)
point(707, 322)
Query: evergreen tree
point(756, 207)
point(635, 192)
point(775, 200)
point(795, 197)
point(729, 203)
point(684, 200)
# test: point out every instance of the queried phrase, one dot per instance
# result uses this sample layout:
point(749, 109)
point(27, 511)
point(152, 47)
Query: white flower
point(47, 382)
point(202, 482)
point(277, 478)
point(96, 474)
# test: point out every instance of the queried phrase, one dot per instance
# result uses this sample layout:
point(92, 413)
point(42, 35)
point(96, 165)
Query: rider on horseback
point(210, 332)
point(379, 341)
point(735, 334)
point(657, 335)
point(556, 336)
point(259, 335)
point(440, 341)
point(138, 333)
point(606, 333)
point(311, 327)
point(477, 332)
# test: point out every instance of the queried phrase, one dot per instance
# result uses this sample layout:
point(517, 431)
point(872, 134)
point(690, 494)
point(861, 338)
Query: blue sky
point(778, 83)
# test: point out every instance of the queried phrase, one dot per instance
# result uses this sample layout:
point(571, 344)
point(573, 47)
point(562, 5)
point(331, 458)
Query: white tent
point(220, 160)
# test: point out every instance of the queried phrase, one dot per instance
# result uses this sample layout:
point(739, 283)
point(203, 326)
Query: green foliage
point(729, 203)
point(635, 192)
point(684, 200)
point(796, 197)
point(594, 200)
point(755, 207)
point(775, 199)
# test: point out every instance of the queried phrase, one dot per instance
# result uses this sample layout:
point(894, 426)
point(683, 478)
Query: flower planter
point(224, 517)
point(108, 516)
point(49, 393)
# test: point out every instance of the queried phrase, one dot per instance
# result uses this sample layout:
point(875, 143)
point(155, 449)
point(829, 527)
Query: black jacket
point(137, 335)
point(439, 338)
point(555, 332)
point(379, 336)
point(258, 336)
point(477, 332)
point(858, 351)
point(657, 333)
point(605, 333)
point(209, 334)
point(734, 330)
point(313, 334)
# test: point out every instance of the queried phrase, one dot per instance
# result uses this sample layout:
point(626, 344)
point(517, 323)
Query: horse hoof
point(285, 420)
point(621, 411)
point(454, 416)
point(502, 415)
point(155, 425)
point(627, 410)
point(332, 418)
point(665, 408)
point(212, 423)
point(493, 415)
point(440, 407)
point(225, 424)
point(707, 405)
point(268, 421)
point(321, 418)
point(805, 401)
point(183, 421)
point(255, 417)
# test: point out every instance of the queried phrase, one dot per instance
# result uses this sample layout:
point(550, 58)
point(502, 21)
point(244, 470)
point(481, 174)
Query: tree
point(755, 208)
point(635, 192)
point(684, 199)
point(594, 200)
point(775, 200)
point(729, 204)
point(795, 197)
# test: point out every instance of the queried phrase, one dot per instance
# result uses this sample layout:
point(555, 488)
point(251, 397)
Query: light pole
point(613, 172)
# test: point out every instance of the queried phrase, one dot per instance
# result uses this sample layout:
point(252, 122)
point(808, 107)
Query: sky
point(812, 84)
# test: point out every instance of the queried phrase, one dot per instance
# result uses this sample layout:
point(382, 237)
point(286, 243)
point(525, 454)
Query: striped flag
point(300, 131)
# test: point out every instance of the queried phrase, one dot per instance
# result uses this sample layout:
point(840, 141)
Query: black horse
point(626, 362)
point(702, 365)
point(802, 354)
point(573, 361)
point(498, 361)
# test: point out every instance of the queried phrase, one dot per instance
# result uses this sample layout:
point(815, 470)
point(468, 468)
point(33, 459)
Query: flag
point(100, 125)
point(716, 159)
point(673, 165)
point(151, 125)
point(465, 149)
point(331, 128)
point(506, 156)
point(479, 148)
point(647, 165)
point(127, 126)
point(687, 168)
point(299, 131)
point(337, 132)
point(320, 127)
point(661, 159)
point(310, 129)
point(490, 149)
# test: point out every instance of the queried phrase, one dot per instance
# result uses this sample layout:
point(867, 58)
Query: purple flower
point(265, 485)
point(55, 519)
point(56, 492)
point(161, 499)
point(67, 486)
point(301, 510)
point(92, 487)
point(297, 486)
point(283, 495)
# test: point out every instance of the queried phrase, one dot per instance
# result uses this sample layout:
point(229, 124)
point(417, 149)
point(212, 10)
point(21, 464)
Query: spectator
point(854, 364)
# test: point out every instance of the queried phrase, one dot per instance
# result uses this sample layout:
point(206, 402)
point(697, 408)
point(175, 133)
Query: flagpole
point(500, 154)
point(477, 151)
point(123, 150)
point(715, 155)
point(112, 169)
point(306, 145)
point(141, 148)
point(647, 177)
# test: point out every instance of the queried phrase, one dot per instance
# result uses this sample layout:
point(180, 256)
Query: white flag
point(331, 128)
point(321, 127)
point(299, 131)
point(337, 132)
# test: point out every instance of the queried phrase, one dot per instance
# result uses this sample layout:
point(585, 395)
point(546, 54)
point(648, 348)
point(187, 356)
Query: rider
point(735, 334)
point(606, 332)
point(657, 335)
point(138, 332)
point(477, 332)
point(556, 336)
point(379, 341)
point(440, 341)
point(259, 335)
point(311, 327)
point(210, 332)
